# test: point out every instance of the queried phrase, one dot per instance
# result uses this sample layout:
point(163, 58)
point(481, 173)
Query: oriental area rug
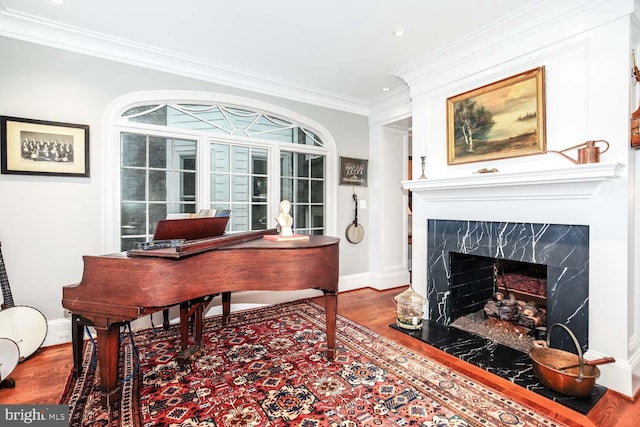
point(267, 367)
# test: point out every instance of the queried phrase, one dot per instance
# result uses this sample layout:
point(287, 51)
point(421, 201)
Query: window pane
point(133, 219)
point(220, 188)
point(317, 217)
point(240, 189)
point(286, 164)
point(156, 213)
point(131, 243)
point(134, 150)
point(286, 189)
point(186, 153)
point(187, 182)
point(302, 191)
point(301, 218)
point(187, 208)
point(303, 166)
point(258, 217)
point(181, 207)
point(221, 206)
point(317, 166)
point(159, 154)
point(240, 160)
point(210, 118)
point(259, 162)
point(152, 115)
point(159, 181)
point(240, 218)
point(259, 189)
point(133, 184)
point(220, 158)
point(317, 191)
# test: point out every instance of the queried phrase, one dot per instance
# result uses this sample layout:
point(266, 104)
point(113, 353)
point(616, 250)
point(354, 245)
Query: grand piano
point(118, 288)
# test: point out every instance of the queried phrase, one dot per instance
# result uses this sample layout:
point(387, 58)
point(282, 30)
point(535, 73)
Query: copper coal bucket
point(565, 372)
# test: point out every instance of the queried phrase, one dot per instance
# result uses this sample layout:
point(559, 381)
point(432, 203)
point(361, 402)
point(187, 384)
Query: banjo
point(26, 326)
point(354, 232)
point(9, 357)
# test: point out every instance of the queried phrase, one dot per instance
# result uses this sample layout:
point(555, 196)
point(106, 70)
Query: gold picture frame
point(37, 147)
point(498, 121)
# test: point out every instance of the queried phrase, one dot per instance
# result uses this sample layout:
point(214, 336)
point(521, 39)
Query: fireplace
point(563, 250)
point(499, 298)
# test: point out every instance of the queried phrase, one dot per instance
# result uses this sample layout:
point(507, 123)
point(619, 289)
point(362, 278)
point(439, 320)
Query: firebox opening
point(499, 299)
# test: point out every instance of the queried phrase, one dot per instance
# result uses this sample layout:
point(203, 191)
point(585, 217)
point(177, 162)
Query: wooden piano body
point(121, 287)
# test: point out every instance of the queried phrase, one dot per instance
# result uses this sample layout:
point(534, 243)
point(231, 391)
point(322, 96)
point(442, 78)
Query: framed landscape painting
point(37, 147)
point(497, 121)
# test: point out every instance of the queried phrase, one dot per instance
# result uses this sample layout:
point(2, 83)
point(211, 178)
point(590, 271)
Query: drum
point(9, 357)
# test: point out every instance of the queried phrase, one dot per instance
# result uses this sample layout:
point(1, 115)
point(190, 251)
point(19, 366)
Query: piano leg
point(331, 306)
point(226, 307)
point(108, 355)
point(165, 319)
point(191, 310)
point(77, 342)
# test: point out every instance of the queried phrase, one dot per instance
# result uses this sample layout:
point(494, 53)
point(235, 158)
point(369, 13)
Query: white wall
point(48, 223)
point(585, 49)
point(389, 132)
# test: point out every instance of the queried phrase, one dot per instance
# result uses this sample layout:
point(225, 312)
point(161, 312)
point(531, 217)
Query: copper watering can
point(588, 152)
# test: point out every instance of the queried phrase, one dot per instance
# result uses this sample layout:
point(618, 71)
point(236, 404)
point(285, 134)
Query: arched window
point(190, 153)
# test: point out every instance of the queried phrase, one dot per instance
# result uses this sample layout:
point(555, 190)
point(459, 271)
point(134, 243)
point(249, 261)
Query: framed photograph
point(353, 171)
point(37, 147)
point(497, 121)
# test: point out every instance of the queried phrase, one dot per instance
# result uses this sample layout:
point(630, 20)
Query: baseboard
point(390, 279)
point(58, 332)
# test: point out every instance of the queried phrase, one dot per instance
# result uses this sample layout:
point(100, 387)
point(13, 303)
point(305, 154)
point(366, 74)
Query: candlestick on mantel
point(422, 159)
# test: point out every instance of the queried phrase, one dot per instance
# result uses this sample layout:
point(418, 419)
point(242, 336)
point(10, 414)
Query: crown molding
point(535, 27)
point(37, 30)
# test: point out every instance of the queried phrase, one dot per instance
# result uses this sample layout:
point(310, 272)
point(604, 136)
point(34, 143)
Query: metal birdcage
point(410, 306)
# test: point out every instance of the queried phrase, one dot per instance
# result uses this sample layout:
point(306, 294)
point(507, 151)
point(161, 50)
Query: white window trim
point(112, 125)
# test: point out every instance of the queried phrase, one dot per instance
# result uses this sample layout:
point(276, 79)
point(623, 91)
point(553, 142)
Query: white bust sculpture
point(284, 220)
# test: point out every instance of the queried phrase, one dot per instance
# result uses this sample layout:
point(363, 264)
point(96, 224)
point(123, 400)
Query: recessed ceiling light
point(399, 32)
point(385, 89)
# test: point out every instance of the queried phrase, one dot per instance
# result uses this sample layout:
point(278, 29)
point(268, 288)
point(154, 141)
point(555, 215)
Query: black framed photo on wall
point(38, 147)
point(353, 171)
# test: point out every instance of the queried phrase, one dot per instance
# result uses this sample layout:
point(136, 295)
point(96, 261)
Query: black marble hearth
point(510, 364)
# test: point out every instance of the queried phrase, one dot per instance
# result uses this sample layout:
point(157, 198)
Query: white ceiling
point(340, 50)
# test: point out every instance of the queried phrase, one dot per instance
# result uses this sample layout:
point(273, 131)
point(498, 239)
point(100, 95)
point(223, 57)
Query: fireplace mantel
point(577, 182)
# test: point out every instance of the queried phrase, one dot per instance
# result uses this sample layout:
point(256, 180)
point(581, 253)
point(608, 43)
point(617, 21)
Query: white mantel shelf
point(577, 182)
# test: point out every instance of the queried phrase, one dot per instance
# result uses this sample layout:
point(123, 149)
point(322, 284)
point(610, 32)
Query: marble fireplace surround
point(564, 249)
point(553, 201)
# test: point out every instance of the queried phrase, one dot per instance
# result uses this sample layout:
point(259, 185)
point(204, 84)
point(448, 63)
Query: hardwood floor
point(41, 379)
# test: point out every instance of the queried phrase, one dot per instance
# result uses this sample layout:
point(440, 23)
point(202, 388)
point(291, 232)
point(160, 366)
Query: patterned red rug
point(267, 368)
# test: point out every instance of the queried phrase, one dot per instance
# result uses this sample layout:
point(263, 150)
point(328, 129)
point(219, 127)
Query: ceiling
point(334, 51)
